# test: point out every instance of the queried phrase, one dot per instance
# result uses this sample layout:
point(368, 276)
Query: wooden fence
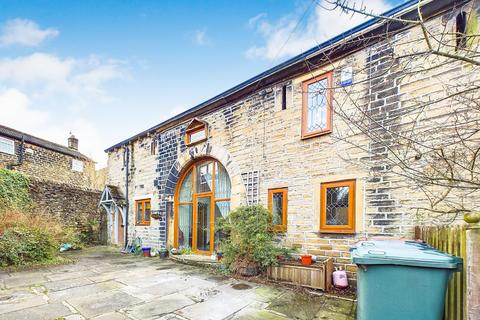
point(451, 239)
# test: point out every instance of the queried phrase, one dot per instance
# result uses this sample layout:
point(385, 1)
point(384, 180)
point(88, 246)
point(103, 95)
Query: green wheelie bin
point(402, 280)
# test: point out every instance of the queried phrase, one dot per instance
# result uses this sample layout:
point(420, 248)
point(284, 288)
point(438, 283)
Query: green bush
point(249, 240)
point(14, 190)
point(23, 245)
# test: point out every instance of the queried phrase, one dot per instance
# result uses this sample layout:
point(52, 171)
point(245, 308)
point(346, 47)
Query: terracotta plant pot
point(306, 260)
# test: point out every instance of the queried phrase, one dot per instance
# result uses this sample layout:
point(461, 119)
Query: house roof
point(18, 135)
point(342, 44)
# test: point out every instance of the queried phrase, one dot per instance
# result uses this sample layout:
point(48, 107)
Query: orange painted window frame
point(193, 130)
point(143, 203)
point(310, 134)
point(284, 191)
point(350, 228)
point(195, 195)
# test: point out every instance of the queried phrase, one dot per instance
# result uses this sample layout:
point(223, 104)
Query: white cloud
point(200, 37)
point(253, 20)
point(18, 112)
point(69, 88)
point(283, 38)
point(25, 32)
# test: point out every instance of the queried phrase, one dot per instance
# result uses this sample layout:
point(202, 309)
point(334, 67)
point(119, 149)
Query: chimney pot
point(72, 142)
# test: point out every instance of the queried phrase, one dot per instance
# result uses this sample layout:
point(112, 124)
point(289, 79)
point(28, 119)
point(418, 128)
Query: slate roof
point(18, 135)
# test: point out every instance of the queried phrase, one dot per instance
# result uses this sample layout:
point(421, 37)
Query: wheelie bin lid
point(400, 252)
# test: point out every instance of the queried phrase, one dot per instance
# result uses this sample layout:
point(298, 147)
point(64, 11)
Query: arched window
point(202, 197)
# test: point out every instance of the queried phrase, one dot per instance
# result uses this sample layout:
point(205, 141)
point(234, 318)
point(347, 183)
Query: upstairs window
point(277, 205)
point(317, 106)
point(153, 148)
point(7, 145)
point(196, 132)
point(143, 210)
point(77, 165)
point(337, 207)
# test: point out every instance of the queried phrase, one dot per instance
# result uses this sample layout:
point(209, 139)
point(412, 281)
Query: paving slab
point(43, 312)
point(82, 291)
point(159, 307)
point(67, 284)
point(112, 316)
point(17, 300)
point(104, 302)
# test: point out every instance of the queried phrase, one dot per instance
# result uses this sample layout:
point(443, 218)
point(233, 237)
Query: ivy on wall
point(14, 190)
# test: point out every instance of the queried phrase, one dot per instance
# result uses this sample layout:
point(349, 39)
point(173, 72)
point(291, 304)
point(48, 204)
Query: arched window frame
point(192, 169)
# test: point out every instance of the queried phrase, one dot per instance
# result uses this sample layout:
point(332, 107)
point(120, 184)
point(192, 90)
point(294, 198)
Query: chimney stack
point(72, 142)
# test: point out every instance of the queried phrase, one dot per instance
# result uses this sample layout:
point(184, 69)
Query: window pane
point(222, 208)
point(185, 226)
point(317, 105)
point(197, 136)
point(203, 223)
point(222, 182)
point(277, 208)
point(139, 212)
point(204, 177)
point(7, 146)
point(337, 206)
point(147, 211)
point(186, 188)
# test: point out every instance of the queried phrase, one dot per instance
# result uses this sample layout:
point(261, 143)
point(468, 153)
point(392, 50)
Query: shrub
point(14, 190)
point(249, 239)
point(28, 237)
point(22, 245)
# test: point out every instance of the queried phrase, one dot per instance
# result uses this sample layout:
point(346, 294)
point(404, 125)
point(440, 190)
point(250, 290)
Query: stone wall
point(257, 134)
point(74, 206)
point(45, 164)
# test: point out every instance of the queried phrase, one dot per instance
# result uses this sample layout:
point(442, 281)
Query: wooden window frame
point(284, 191)
point(350, 228)
point(193, 167)
point(143, 222)
point(193, 130)
point(310, 134)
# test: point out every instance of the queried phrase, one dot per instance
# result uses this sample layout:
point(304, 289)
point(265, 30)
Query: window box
point(316, 276)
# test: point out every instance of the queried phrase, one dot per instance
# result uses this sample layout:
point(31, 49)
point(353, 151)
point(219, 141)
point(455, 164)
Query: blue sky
point(108, 69)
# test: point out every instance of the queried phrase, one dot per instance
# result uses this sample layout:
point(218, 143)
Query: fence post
point(473, 272)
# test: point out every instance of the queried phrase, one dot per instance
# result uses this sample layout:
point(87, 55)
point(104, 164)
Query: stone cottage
point(286, 139)
point(62, 179)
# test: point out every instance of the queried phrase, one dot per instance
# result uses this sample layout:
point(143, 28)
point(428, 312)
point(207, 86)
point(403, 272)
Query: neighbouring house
point(63, 181)
point(285, 139)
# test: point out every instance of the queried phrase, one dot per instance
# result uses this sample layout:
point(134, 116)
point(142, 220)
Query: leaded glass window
point(317, 105)
point(337, 212)
point(277, 204)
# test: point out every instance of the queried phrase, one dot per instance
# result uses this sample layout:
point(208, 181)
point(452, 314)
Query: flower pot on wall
point(472, 217)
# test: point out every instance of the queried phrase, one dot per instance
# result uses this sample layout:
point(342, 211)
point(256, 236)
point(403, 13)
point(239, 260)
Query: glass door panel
point(185, 226)
point(203, 223)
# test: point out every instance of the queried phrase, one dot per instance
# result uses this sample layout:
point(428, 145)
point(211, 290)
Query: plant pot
point(146, 252)
point(163, 254)
point(306, 260)
point(249, 271)
point(219, 256)
point(280, 258)
point(472, 217)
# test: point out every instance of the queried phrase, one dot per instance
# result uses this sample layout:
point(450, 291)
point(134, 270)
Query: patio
point(105, 284)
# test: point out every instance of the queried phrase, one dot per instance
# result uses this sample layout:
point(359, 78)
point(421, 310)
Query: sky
point(106, 70)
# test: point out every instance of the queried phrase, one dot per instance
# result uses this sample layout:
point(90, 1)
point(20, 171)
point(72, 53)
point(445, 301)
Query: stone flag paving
point(105, 284)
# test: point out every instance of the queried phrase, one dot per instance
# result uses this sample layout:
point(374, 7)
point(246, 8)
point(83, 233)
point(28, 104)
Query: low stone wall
point(75, 206)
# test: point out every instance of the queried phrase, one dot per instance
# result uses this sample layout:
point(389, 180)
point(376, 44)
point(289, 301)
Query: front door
point(203, 228)
point(120, 229)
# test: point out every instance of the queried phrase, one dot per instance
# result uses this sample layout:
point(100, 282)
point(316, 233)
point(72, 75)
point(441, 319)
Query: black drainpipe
point(126, 155)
